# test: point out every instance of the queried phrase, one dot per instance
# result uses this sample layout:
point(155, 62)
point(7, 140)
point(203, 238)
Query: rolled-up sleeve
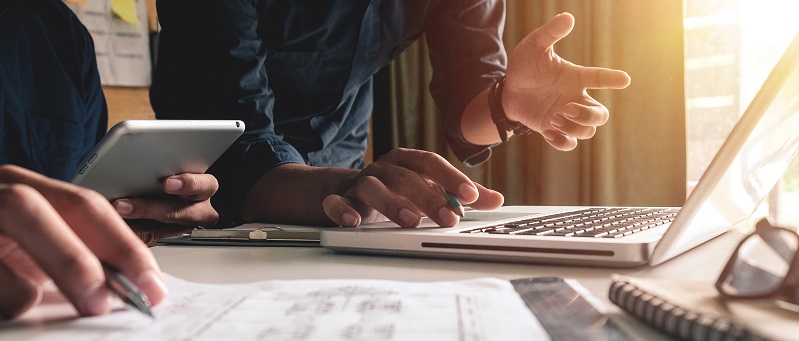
point(468, 56)
point(211, 66)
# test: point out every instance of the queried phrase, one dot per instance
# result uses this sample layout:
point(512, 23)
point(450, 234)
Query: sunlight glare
point(767, 27)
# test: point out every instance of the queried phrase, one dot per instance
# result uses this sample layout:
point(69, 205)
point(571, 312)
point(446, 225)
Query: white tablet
point(135, 156)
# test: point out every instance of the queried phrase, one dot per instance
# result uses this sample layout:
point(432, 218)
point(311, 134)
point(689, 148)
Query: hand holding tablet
point(149, 163)
point(135, 156)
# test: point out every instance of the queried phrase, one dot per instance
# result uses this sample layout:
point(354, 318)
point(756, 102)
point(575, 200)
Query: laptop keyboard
point(601, 222)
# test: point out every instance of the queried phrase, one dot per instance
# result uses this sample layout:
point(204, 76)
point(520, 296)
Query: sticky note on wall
point(121, 39)
point(125, 9)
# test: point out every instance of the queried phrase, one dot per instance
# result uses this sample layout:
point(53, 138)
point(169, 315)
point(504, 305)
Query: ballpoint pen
point(454, 204)
point(126, 290)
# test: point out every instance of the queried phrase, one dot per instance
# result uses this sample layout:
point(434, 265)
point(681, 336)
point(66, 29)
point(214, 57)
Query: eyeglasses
point(764, 265)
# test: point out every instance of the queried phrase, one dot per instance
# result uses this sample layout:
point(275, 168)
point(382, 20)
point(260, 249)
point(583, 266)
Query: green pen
point(454, 204)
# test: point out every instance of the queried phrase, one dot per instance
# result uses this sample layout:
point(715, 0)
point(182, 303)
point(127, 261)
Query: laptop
point(747, 166)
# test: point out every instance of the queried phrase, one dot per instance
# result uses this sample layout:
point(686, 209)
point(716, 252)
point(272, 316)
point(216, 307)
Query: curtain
point(637, 158)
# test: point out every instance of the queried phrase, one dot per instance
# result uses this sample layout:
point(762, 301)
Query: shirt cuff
point(470, 154)
point(238, 170)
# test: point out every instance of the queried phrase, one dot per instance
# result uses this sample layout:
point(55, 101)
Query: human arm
point(545, 92)
point(402, 185)
point(222, 78)
point(50, 229)
point(267, 166)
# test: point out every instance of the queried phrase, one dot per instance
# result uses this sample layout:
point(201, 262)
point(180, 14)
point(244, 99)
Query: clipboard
point(248, 235)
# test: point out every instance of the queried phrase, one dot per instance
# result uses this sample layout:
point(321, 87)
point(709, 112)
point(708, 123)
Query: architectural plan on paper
point(478, 309)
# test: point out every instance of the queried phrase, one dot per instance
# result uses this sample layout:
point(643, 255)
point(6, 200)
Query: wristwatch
point(503, 123)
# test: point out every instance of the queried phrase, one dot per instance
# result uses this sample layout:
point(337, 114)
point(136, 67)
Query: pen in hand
point(454, 204)
point(126, 290)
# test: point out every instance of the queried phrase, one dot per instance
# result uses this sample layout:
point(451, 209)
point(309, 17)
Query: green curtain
point(637, 158)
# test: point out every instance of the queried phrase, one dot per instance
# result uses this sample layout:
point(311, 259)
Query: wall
point(127, 104)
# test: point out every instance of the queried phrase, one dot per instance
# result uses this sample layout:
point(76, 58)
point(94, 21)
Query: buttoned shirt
point(52, 109)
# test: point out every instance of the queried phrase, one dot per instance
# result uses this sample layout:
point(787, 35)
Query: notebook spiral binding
point(674, 320)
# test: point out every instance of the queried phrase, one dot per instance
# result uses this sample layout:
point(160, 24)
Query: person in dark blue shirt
point(299, 73)
point(52, 112)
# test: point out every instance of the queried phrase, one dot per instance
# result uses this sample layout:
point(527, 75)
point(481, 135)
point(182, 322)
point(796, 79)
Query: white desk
point(248, 264)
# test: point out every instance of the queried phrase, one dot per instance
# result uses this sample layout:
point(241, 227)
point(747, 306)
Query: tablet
point(135, 156)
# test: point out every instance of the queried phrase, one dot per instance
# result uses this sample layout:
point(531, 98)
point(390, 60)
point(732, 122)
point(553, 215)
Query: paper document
point(478, 309)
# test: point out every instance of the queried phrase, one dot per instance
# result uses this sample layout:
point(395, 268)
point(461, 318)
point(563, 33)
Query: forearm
point(293, 193)
point(477, 124)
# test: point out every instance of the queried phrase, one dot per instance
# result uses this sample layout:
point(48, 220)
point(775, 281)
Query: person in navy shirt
point(52, 112)
point(299, 73)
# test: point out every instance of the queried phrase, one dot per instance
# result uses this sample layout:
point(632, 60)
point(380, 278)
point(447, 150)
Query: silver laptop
point(748, 165)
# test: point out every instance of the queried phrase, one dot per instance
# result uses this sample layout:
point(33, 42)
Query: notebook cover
point(695, 311)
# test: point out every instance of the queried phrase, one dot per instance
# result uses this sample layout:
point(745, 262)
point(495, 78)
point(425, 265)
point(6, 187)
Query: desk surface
point(212, 264)
point(249, 264)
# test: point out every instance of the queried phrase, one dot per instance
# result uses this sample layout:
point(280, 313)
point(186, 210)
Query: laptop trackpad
point(494, 216)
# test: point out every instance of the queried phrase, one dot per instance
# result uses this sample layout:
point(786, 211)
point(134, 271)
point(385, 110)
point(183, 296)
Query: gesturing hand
point(402, 185)
point(548, 94)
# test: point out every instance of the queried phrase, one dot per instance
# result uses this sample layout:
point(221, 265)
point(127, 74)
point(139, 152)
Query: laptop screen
point(753, 158)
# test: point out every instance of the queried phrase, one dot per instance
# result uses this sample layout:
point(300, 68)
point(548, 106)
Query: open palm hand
point(549, 94)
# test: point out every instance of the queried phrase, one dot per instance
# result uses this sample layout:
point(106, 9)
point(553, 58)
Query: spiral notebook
point(695, 311)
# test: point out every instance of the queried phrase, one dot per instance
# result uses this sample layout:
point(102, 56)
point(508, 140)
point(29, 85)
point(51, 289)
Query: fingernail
point(447, 216)
point(153, 285)
point(409, 218)
point(468, 192)
point(124, 207)
point(349, 219)
point(558, 121)
point(96, 301)
point(173, 184)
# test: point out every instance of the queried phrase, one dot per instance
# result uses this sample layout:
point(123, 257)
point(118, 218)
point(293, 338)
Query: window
point(730, 48)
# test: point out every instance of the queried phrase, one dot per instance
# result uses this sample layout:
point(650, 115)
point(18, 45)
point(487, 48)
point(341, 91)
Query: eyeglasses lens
point(763, 260)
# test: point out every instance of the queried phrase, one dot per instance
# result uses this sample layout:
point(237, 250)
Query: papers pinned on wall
point(121, 39)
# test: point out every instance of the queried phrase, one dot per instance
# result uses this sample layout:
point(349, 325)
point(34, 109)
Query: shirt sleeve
point(96, 119)
point(211, 66)
point(467, 54)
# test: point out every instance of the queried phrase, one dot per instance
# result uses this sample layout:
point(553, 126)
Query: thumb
point(554, 30)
